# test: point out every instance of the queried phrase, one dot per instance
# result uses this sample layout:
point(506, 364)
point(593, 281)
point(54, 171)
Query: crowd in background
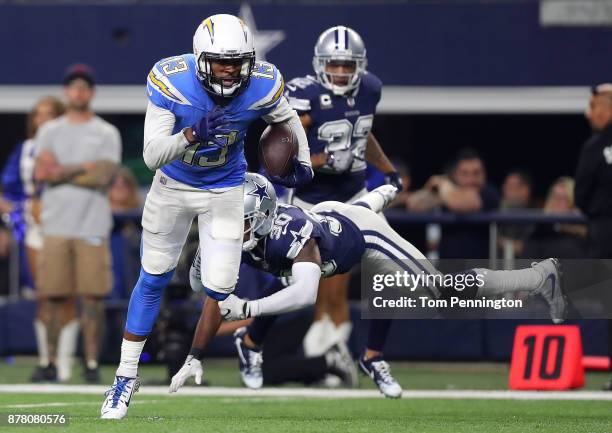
point(464, 189)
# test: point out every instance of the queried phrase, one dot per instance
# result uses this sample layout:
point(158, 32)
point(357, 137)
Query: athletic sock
point(41, 342)
point(130, 355)
point(66, 348)
point(343, 331)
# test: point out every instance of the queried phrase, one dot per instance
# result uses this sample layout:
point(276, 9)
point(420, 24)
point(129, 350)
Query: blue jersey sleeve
point(265, 89)
point(302, 93)
point(168, 81)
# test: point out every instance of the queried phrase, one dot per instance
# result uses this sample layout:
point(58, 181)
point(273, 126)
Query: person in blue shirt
point(21, 201)
point(337, 107)
point(200, 107)
point(332, 237)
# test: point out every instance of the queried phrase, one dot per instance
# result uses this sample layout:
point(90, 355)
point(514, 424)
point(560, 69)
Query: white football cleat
point(388, 193)
point(379, 371)
point(250, 361)
point(118, 397)
point(551, 289)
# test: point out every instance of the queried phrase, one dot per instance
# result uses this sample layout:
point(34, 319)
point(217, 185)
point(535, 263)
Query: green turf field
point(222, 414)
point(163, 413)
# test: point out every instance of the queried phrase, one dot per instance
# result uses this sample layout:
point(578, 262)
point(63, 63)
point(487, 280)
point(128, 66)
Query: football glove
point(192, 367)
point(393, 178)
point(234, 308)
point(301, 175)
point(212, 129)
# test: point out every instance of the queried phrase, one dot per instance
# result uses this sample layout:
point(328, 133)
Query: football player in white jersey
point(200, 107)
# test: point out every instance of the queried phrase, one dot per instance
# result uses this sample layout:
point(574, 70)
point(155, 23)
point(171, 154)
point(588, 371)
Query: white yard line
point(313, 392)
point(66, 403)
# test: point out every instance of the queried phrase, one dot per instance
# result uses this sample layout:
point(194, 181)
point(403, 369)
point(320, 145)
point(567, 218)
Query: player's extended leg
point(373, 363)
point(390, 253)
point(221, 231)
point(331, 320)
point(321, 334)
point(337, 305)
point(166, 225)
point(249, 342)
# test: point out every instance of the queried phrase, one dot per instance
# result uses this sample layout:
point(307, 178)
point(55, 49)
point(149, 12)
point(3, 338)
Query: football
point(277, 147)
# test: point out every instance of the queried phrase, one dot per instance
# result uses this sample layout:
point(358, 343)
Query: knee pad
point(145, 301)
point(220, 265)
point(157, 263)
point(222, 281)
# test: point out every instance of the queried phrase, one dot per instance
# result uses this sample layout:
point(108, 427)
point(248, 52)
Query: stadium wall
point(442, 43)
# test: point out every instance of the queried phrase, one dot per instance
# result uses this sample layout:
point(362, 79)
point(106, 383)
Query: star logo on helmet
point(261, 192)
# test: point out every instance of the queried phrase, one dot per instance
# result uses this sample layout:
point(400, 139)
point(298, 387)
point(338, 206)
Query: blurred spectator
point(78, 156)
point(21, 202)
point(123, 192)
point(516, 195)
point(516, 190)
point(594, 173)
point(126, 204)
point(21, 198)
point(464, 190)
point(558, 240)
point(594, 181)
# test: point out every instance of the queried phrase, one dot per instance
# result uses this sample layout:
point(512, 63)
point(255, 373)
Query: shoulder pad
point(266, 86)
point(169, 79)
point(371, 83)
point(301, 91)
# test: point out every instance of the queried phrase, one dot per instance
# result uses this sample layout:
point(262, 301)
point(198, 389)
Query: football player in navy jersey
point(200, 107)
point(337, 107)
point(327, 240)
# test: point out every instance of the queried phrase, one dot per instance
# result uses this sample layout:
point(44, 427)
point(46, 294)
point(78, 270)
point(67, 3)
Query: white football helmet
point(343, 44)
point(223, 38)
point(259, 208)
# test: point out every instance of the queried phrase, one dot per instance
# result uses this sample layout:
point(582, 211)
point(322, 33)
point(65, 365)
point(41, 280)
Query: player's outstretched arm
point(306, 273)
point(207, 327)
point(160, 145)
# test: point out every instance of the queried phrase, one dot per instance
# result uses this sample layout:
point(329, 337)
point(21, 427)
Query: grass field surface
point(293, 409)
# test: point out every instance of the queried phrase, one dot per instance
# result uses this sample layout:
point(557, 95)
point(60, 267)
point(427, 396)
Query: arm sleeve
point(284, 113)
point(160, 146)
point(299, 94)
point(585, 178)
point(302, 293)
